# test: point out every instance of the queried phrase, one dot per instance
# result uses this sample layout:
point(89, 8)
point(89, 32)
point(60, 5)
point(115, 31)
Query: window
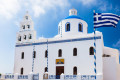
point(23, 26)
point(46, 52)
point(19, 38)
point(34, 54)
point(75, 52)
point(28, 26)
point(67, 26)
point(25, 37)
point(105, 55)
point(75, 71)
point(80, 27)
point(30, 36)
point(45, 69)
point(59, 53)
point(21, 71)
point(26, 17)
point(91, 51)
point(22, 55)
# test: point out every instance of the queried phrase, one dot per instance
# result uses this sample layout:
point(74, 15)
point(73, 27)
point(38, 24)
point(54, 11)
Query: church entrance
point(59, 71)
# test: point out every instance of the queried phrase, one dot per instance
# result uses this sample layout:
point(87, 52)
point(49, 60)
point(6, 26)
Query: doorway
point(59, 71)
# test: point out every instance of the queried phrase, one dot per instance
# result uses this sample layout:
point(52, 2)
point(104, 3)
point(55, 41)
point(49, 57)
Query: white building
point(70, 52)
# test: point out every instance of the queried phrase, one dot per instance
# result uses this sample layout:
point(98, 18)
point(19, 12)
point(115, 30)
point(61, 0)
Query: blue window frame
point(67, 27)
point(80, 27)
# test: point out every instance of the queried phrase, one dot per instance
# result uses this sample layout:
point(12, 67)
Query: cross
point(97, 16)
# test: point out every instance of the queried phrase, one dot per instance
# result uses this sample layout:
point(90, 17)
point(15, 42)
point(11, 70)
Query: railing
point(35, 76)
point(74, 77)
point(22, 76)
point(9, 76)
point(54, 76)
point(70, 76)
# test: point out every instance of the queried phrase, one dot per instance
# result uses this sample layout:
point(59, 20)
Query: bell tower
point(26, 34)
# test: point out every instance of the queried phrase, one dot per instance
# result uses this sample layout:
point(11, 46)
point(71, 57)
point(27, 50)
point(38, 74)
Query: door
point(59, 71)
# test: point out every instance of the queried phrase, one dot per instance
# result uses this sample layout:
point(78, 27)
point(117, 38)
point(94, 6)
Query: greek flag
point(105, 20)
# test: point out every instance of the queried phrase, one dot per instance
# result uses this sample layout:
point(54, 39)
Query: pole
point(95, 70)
point(33, 58)
point(47, 55)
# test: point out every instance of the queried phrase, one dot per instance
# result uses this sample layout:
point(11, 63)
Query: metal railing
point(22, 76)
point(9, 76)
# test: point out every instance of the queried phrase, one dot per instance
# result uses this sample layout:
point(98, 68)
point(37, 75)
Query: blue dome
point(73, 16)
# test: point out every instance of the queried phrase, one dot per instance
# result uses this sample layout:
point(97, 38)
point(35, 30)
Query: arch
point(67, 26)
point(45, 69)
point(91, 51)
point(21, 71)
point(30, 36)
point(46, 52)
point(23, 26)
point(25, 37)
point(75, 52)
point(34, 54)
point(59, 53)
point(28, 26)
point(80, 27)
point(22, 55)
point(19, 38)
point(75, 70)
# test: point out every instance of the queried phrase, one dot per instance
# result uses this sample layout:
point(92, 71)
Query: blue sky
point(46, 15)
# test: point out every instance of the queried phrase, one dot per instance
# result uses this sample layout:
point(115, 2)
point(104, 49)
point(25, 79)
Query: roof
point(73, 16)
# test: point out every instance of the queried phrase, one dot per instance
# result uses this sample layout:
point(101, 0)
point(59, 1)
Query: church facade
point(70, 52)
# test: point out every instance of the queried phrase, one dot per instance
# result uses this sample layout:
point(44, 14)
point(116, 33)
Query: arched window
point(28, 26)
point(59, 53)
point(91, 51)
point(75, 71)
point(30, 36)
point(21, 71)
point(25, 37)
point(75, 52)
point(22, 55)
point(46, 52)
point(80, 27)
point(19, 38)
point(45, 69)
point(67, 26)
point(23, 26)
point(34, 54)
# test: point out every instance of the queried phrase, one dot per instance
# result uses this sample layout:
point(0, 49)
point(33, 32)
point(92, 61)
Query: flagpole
point(94, 50)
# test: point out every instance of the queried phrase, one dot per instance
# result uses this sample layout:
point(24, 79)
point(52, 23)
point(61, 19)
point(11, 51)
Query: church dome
point(72, 25)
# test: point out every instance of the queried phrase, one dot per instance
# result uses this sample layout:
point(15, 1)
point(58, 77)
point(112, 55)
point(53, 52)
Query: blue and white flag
point(105, 20)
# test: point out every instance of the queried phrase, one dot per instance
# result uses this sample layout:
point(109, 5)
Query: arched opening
point(28, 26)
point(67, 26)
point(22, 55)
point(45, 69)
point(21, 71)
point(80, 27)
point(75, 71)
point(91, 51)
point(59, 53)
point(23, 26)
point(46, 52)
point(34, 54)
point(30, 36)
point(19, 38)
point(25, 37)
point(75, 52)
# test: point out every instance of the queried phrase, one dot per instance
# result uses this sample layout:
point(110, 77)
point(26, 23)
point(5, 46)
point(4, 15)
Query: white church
point(70, 52)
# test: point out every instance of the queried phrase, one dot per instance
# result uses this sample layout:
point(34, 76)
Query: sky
point(46, 15)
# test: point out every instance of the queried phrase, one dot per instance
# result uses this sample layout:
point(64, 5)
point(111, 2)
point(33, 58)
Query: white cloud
point(87, 2)
point(117, 45)
point(8, 8)
point(41, 6)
